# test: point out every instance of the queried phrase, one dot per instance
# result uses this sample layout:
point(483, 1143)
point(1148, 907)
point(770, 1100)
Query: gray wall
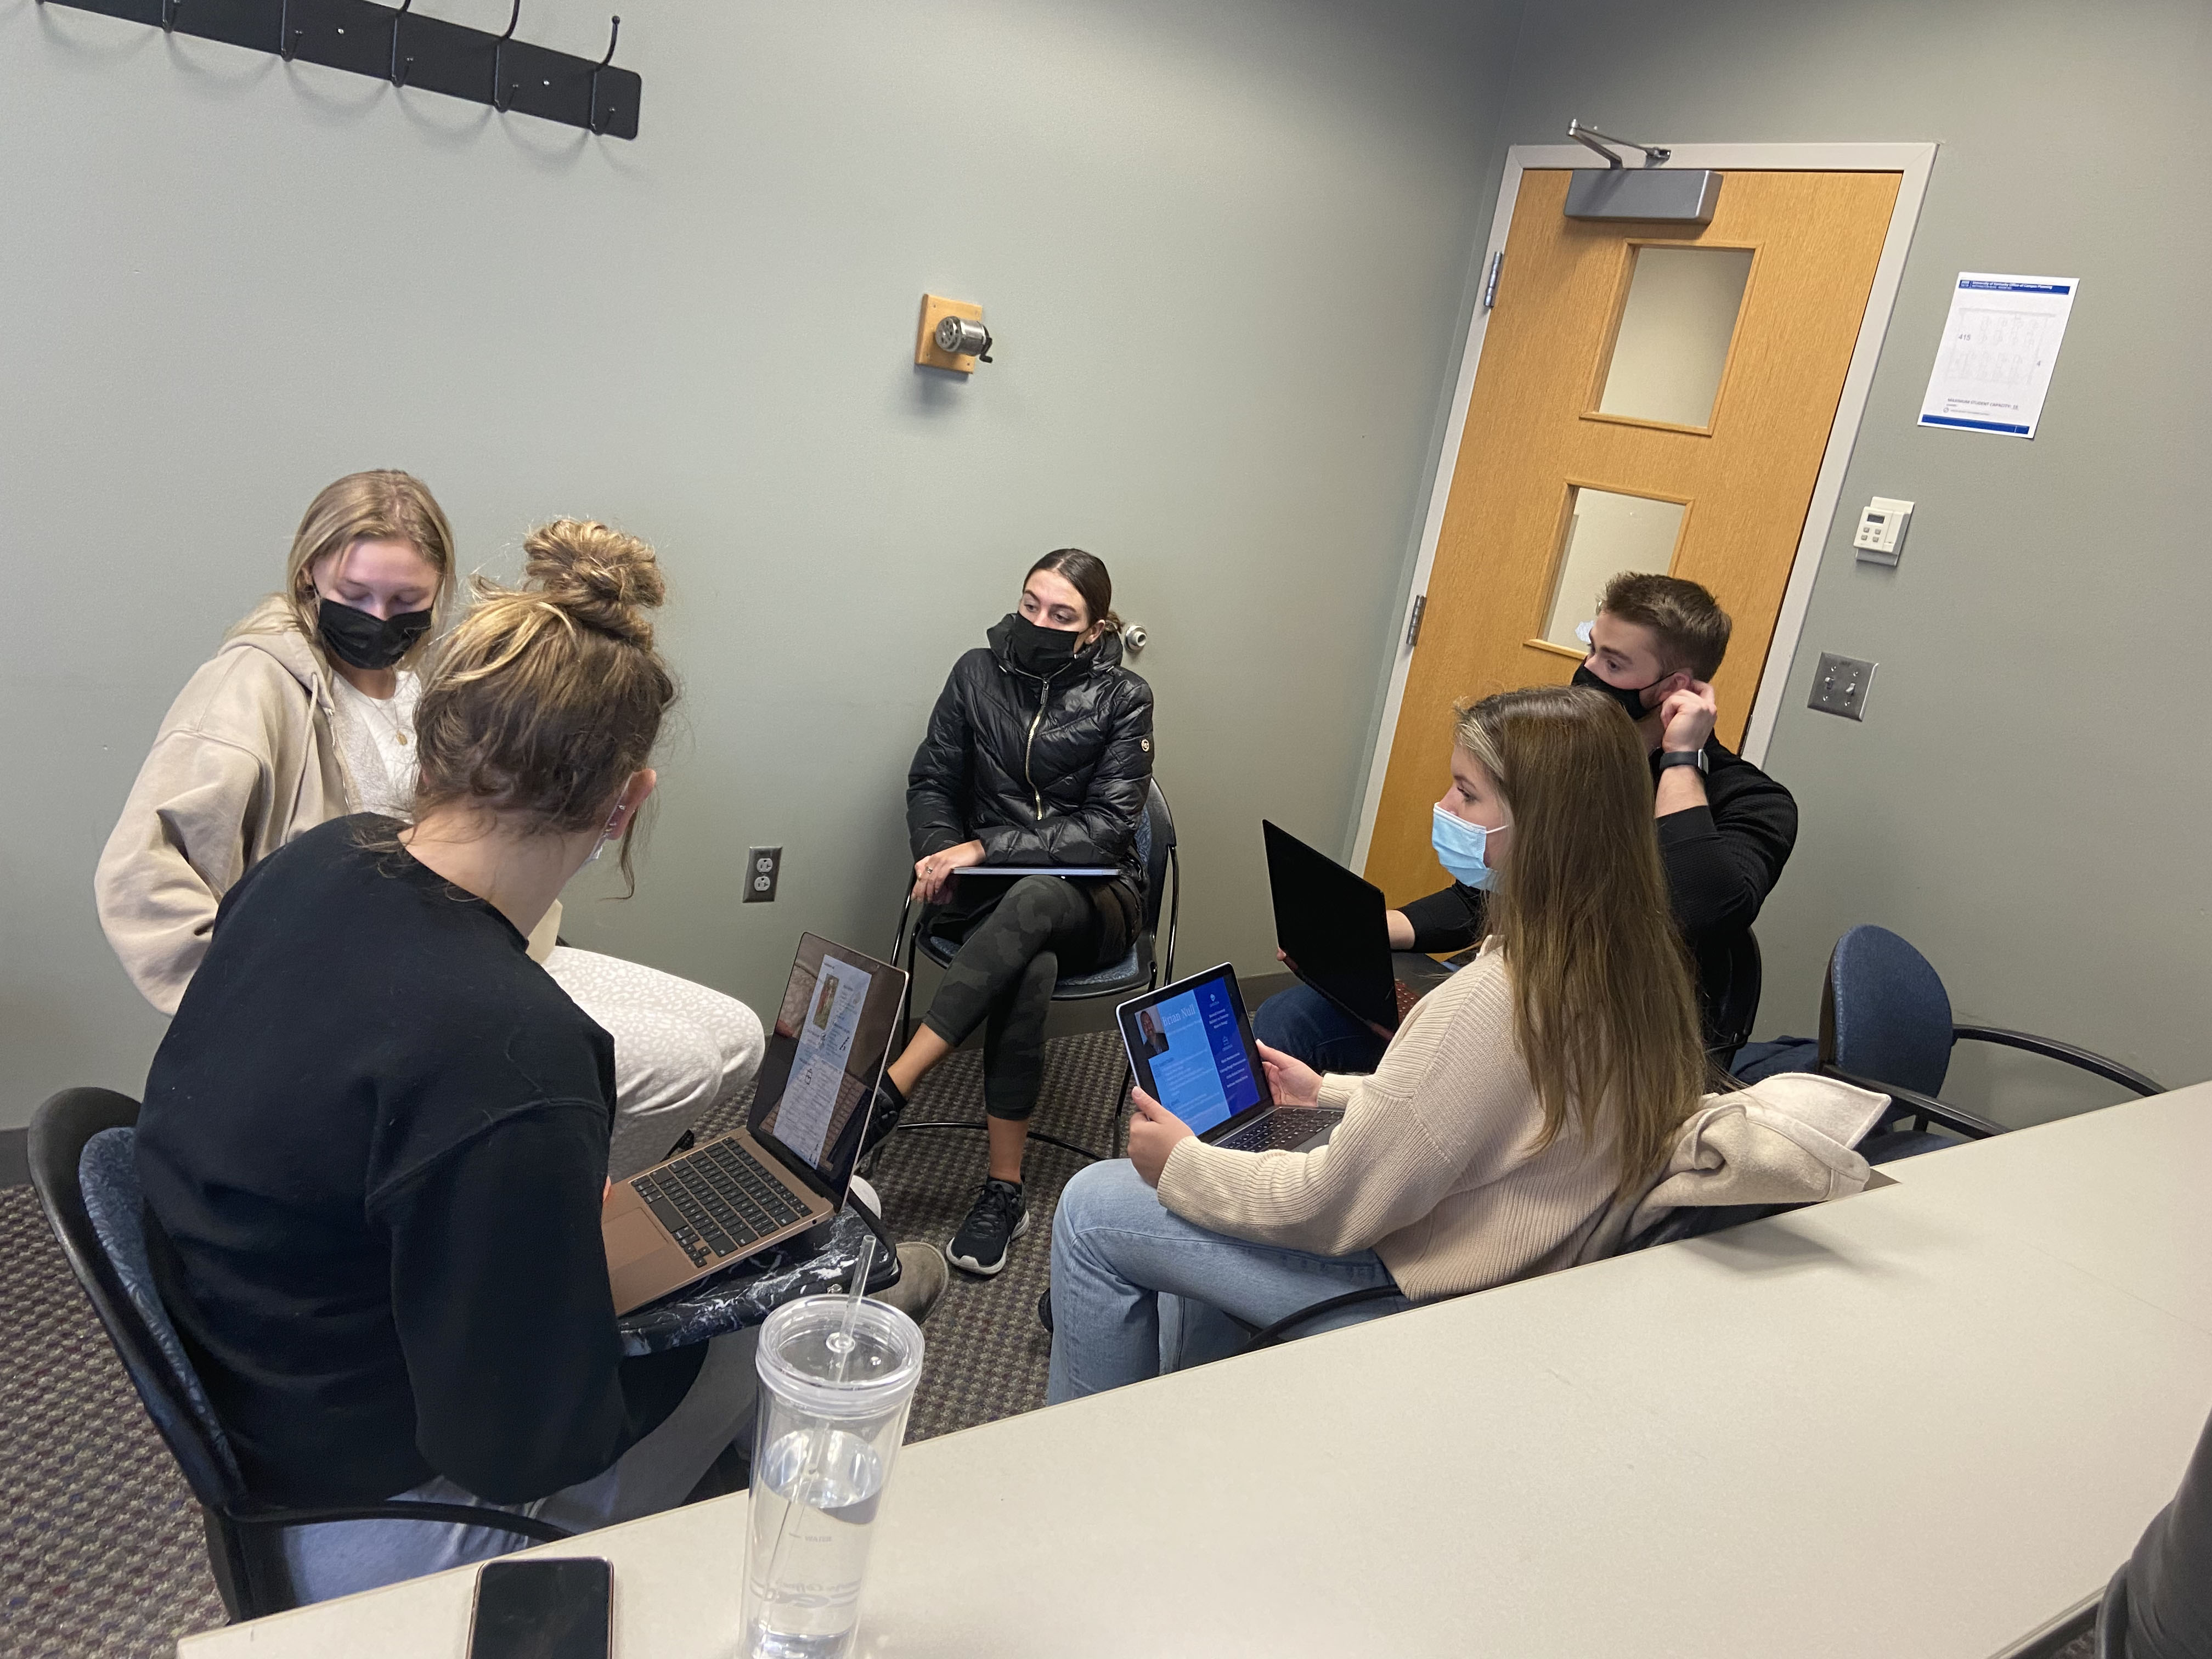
point(2028, 799)
point(230, 282)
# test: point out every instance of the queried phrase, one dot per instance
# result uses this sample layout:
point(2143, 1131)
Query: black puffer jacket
point(1040, 771)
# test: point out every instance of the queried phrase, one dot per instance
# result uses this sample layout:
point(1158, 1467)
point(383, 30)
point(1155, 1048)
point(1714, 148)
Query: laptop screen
point(832, 1036)
point(1194, 1043)
point(1334, 928)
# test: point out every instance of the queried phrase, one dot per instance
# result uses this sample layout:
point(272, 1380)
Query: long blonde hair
point(1604, 1014)
point(383, 507)
point(548, 697)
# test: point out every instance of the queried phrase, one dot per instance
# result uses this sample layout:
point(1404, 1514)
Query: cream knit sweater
point(1431, 1167)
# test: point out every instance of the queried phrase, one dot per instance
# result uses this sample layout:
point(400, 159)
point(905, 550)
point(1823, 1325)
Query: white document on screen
point(818, 1071)
point(2000, 344)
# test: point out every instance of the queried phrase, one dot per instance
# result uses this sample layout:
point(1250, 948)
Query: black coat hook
point(398, 74)
point(498, 58)
point(613, 35)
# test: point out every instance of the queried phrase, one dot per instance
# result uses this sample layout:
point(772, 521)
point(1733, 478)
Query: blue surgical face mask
point(1460, 848)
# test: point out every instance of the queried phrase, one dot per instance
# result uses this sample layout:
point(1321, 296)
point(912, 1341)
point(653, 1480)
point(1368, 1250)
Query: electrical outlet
point(1839, 686)
point(764, 865)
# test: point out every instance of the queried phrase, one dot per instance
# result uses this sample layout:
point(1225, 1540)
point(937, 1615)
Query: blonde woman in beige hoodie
point(307, 714)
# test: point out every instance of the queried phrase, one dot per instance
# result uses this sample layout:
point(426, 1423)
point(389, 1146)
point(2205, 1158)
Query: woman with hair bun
point(308, 712)
point(375, 1139)
point(1039, 752)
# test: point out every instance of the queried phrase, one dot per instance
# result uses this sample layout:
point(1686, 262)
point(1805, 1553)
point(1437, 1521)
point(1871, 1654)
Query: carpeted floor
point(102, 1556)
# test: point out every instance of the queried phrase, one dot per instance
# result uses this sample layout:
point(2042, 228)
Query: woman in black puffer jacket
point(1039, 752)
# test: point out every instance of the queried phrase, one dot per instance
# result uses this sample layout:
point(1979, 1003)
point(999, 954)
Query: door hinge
point(1413, 623)
point(1490, 283)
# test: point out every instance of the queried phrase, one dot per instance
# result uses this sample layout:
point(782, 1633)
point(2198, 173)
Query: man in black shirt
point(1725, 828)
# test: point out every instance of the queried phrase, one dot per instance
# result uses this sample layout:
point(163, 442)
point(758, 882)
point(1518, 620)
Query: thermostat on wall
point(1882, 531)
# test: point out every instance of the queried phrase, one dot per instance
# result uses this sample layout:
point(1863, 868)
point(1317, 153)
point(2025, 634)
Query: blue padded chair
point(83, 1165)
point(1886, 1024)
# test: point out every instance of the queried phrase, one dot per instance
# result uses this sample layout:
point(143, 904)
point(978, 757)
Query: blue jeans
point(339, 1558)
point(1136, 1289)
point(1303, 1021)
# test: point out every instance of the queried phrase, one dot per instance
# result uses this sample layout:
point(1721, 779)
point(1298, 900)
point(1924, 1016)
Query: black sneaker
point(1044, 1308)
point(999, 1217)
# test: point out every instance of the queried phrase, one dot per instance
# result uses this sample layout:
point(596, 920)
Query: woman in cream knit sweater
point(1515, 1102)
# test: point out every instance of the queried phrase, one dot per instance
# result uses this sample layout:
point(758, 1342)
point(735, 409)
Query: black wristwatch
point(1683, 757)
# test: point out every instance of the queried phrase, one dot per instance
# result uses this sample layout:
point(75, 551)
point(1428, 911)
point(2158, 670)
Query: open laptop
point(787, 1170)
point(1190, 1045)
point(1330, 927)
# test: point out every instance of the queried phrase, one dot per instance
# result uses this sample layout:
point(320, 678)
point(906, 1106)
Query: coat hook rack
point(420, 53)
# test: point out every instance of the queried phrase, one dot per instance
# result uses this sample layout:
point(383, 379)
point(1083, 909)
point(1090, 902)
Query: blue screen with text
point(1200, 1069)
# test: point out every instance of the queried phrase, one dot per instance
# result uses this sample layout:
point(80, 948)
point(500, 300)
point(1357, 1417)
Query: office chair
point(83, 1166)
point(1139, 969)
point(1733, 966)
point(1885, 1025)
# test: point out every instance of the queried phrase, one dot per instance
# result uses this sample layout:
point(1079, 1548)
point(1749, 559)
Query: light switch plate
point(763, 868)
point(1839, 686)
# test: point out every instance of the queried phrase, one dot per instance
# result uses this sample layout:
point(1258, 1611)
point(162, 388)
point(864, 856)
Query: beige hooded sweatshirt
point(245, 761)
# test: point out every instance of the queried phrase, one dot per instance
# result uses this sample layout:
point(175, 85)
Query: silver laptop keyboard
point(718, 1202)
point(1284, 1130)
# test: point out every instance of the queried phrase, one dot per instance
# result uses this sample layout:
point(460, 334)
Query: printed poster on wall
point(2000, 344)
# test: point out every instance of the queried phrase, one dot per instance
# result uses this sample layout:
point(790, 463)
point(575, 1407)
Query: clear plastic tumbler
point(832, 1415)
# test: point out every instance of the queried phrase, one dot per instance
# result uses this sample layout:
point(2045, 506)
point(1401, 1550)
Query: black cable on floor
point(1083, 1152)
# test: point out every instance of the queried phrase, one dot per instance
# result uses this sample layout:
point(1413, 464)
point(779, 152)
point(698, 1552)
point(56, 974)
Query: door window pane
point(1675, 334)
point(1607, 534)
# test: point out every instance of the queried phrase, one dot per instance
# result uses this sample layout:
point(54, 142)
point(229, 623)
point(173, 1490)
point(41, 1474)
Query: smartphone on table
point(557, 1609)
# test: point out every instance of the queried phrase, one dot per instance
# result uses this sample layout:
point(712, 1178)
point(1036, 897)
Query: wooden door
point(1537, 442)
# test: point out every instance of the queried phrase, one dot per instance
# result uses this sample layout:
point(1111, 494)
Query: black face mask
point(1040, 651)
point(1630, 700)
point(366, 641)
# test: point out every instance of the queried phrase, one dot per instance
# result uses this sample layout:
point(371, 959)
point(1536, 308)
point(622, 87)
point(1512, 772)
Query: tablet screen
point(1190, 1043)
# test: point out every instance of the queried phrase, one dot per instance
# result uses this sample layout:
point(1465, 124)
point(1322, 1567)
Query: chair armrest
point(2050, 1048)
point(1270, 1335)
point(1926, 1108)
point(1175, 908)
point(465, 1514)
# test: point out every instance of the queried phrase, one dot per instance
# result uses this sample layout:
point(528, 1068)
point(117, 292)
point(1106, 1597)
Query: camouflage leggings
point(1002, 980)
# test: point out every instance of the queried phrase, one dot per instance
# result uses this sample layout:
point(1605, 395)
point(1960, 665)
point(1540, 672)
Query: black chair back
point(84, 1171)
point(66, 1134)
point(1731, 976)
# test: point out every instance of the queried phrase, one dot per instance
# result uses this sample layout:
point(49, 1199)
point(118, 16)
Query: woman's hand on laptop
point(1154, 1132)
point(933, 875)
point(1290, 1080)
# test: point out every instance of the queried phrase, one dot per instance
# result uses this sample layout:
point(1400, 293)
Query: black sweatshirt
point(1721, 860)
point(372, 1149)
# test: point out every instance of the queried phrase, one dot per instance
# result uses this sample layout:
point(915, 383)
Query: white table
point(1918, 1421)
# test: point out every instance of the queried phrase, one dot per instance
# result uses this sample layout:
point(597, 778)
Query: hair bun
point(600, 577)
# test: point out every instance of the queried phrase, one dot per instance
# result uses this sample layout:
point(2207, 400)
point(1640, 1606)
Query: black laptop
point(1330, 927)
